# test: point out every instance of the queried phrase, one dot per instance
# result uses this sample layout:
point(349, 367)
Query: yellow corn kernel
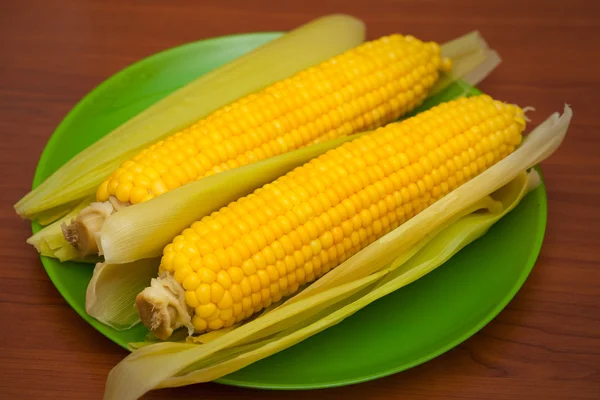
point(206, 310)
point(191, 299)
point(202, 294)
point(216, 292)
point(191, 282)
point(199, 323)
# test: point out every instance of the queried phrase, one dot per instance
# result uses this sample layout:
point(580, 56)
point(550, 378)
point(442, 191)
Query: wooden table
point(544, 345)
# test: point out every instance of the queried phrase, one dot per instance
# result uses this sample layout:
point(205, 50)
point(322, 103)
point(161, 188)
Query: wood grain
point(544, 345)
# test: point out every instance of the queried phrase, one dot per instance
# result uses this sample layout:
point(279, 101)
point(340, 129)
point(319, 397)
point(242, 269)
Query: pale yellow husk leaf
point(278, 59)
point(110, 295)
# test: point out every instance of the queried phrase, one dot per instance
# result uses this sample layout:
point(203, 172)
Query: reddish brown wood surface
point(544, 345)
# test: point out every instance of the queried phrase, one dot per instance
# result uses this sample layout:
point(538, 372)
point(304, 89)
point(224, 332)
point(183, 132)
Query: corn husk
point(110, 295)
point(127, 236)
point(472, 61)
point(395, 260)
point(301, 48)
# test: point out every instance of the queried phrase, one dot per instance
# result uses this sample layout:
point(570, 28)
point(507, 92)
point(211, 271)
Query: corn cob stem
point(162, 307)
point(82, 230)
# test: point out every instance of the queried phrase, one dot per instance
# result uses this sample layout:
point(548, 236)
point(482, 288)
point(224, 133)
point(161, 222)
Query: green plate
point(399, 331)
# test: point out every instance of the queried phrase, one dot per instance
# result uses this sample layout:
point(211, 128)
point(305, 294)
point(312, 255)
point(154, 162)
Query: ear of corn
point(426, 256)
point(175, 364)
point(301, 48)
point(249, 254)
point(144, 369)
point(234, 136)
point(421, 259)
point(361, 89)
point(122, 240)
point(466, 51)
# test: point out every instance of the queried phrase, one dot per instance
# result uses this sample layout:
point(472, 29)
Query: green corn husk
point(400, 257)
point(131, 235)
point(301, 48)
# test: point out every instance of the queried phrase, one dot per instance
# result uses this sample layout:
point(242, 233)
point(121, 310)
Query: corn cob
point(358, 90)
point(233, 263)
point(361, 89)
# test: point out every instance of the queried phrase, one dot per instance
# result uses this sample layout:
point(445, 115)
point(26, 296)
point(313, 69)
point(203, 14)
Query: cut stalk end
point(162, 308)
point(81, 232)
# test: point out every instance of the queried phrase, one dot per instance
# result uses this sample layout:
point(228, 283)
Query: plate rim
point(60, 130)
